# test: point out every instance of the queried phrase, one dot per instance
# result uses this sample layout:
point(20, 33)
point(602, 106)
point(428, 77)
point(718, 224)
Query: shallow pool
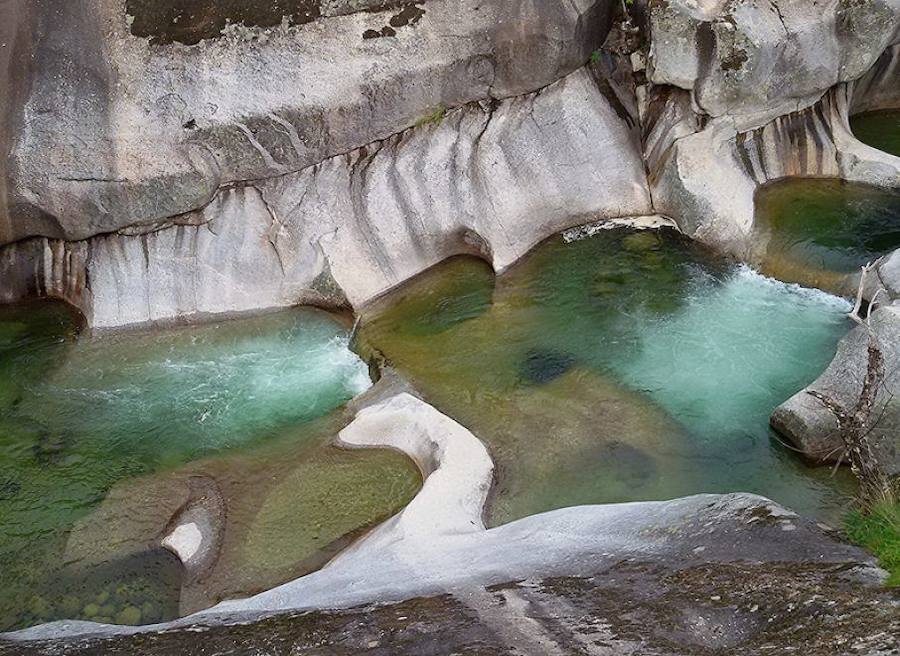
point(81, 417)
point(879, 129)
point(624, 366)
point(816, 230)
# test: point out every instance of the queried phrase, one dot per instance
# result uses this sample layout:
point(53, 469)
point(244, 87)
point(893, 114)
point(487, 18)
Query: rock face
point(492, 179)
point(813, 428)
point(172, 164)
point(109, 131)
point(755, 60)
point(743, 93)
point(426, 551)
point(192, 196)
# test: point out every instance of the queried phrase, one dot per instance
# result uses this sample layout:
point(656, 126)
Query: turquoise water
point(625, 366)
point(78, 414)
point(165, 398)
point(739, 342)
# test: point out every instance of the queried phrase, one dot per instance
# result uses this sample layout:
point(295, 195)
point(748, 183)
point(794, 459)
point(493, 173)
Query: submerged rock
point(542, 366)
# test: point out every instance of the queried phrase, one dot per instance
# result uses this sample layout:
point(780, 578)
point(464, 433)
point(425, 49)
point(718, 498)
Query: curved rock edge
point(426, 550)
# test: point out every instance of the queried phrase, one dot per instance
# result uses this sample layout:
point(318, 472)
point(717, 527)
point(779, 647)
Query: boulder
point(108, 125)
point(811, 426)
point(759, 59)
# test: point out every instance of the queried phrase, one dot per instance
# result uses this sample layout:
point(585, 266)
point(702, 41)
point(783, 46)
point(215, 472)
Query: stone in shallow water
point(543, 366)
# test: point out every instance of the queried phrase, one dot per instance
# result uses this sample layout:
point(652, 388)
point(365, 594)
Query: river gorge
point(526, 327)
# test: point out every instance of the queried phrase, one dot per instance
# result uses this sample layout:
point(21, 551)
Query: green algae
point(879, 129)
point(815, 231)
point(83, 417)
point(626, 366)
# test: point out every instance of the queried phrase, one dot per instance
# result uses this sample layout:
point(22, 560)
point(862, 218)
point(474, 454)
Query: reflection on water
point(81, 416)
point(880, 129)
point(814, 231)
point(626, 366)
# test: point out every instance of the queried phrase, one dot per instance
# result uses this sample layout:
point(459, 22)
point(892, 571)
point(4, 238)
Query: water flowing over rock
point(163, 161)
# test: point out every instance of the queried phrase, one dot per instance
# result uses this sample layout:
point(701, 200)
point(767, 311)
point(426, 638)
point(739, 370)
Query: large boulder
point(811, 425)
point(754, 59)
point(110, 123)
point(492, 178)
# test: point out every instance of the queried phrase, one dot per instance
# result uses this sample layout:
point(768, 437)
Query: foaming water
point(96, 434)
point(740, 343)
point(624, 366)
point(173, 396)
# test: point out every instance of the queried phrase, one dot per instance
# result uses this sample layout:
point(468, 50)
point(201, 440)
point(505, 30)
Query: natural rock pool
point(815, 231)
point(623, 366)
point(96, 433)
point(879, 129)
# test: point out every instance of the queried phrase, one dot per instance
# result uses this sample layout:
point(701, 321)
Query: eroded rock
point(759, 59)
point(812, 426)
point(106, 130)
point(491, 178)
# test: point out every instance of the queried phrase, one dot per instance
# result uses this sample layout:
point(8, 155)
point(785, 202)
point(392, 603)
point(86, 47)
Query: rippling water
point(80, 415)
point(626, 366)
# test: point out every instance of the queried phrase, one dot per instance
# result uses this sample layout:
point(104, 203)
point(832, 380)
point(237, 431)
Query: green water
point(880, 129)
point(814, 231)
point(80, 417)
point(626, 366)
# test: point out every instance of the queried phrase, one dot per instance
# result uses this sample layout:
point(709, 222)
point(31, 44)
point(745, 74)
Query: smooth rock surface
point(492, 179)
point(755, 60)
point(106, 130)
point(813, 428)
point(706, 177)
point(457, 468)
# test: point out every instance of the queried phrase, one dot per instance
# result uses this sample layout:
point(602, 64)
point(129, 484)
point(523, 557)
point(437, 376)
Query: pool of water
point(816, 230)
point(880, 129)
point(625, 366)
point(81, 417)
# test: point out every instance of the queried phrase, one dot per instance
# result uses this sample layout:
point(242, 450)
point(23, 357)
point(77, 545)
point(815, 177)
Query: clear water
point(625, 366)
point(880, 129)
point(816, 230)
point(81, 417)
